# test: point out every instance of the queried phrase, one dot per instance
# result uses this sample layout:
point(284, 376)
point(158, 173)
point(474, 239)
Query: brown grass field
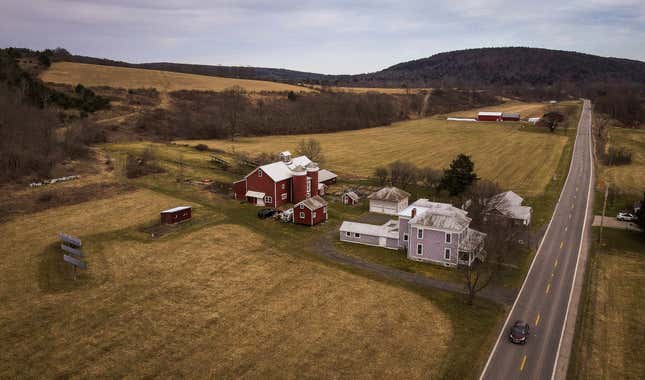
point(525, 110)
point(382, 90)
point(190, 304)
point(628, 178)
point(164, 81)
point(610, 328)
point(518, 158)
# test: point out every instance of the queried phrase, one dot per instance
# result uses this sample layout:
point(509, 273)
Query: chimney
point(414, 212)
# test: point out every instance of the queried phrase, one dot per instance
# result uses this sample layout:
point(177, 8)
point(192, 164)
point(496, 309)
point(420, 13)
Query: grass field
point(192, 304)
point(629, 178)
point(521, 159)
point(525, 110)
point(610, 328)
point(165, 81)
point(382, 90)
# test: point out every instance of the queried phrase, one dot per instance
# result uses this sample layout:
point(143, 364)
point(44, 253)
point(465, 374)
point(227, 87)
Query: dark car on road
point(519, 332)
point(266, 213)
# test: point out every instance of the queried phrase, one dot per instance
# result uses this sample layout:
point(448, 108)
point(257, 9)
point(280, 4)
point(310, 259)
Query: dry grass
point(191, 304)
point(520, 159)
point(629, 178)
point(164, 81)
point(382, 90)
point(525, 110)
point(611, 326)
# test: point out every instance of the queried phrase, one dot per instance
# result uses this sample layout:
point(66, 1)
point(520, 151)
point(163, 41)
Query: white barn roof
point(488, 113)
point(175, 209)
point(509, 204)
point(389, 230)
point(325, 175)
point(313, 203)
point(389, 194)
point(279, 171)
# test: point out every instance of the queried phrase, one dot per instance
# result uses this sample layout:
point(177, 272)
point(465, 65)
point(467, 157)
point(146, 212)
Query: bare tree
point(500, 242)
point(381, 174)
point(430, 177)
point(476, 200)
point(233, 109)
point(312, 149)
point(403, 173)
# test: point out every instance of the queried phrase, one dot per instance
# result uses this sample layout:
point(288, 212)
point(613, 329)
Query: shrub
point(201, 147)
point(618, 156)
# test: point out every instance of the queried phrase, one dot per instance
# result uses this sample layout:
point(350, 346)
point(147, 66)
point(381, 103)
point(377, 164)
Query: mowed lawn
point(610, 330)
point(628, 178)
point(125, 77)
point(521, 159)
point(204, 303)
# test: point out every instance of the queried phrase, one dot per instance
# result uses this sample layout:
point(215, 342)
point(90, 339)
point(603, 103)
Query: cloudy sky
point(320, 36)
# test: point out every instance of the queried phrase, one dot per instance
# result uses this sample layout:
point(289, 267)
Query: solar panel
point(75, 262)
point(70, 239)
point(73, 251)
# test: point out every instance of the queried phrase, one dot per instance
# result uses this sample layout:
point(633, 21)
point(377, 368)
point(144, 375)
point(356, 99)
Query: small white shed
point(389, 200)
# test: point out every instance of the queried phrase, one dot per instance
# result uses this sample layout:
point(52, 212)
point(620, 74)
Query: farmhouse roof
point(352, 195)
point(279, 170)
point(489, 113)
point(450, 221)
point(313, 203)
point(471, 240)
point(422, 205)
point(509, 204)
point(175, 209)
point(389, 194)
point(325, 175)
point(389, 230)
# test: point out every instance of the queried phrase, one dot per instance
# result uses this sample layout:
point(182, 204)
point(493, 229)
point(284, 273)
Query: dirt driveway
point(612, 222)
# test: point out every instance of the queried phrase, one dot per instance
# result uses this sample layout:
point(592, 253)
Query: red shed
point(311, 211)
point(176, 215)
point(489, 116)
point(350, 198)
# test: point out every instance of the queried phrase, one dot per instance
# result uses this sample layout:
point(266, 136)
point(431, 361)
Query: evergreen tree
point(459, 176)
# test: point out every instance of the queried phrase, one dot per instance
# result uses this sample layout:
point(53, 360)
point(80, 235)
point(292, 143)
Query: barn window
point(283, 186)
point(419, 233)
point(419, 249)
point(357, 235)
point(446, 254)
point(405, 237)
point(259, 172)
point(348, 234)
point(268, 199)
point(302, 215)
point(284, 196)
point(302, 206)
point(448, 237)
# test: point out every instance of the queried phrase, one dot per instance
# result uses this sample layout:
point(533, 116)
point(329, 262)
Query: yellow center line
point(537, 320)
point(576, 188)
point(561, 244)
point(572, 206)
point(548, 287)
point(569, 216)
point(566, 228)
point(552, 274)
point(523, 363)
point(555, 263)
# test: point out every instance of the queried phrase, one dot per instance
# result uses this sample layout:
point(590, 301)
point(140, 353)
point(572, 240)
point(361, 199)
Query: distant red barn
point(311, 211)
point(489, 116)
point(176, 215)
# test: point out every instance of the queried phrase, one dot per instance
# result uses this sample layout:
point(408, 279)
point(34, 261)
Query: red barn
point(176, 215)
point(327, 177)
point(286, 181)
point(350, 198)
point(489, 116)
point(311, 211)
point(510, 116)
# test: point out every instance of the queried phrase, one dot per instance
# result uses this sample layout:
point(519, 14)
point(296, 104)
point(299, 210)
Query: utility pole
point(602, 218)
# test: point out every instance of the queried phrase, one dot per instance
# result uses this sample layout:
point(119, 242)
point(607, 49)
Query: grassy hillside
point(610, 326)
point(522, 159)
point(98, 75)
point(525, 110)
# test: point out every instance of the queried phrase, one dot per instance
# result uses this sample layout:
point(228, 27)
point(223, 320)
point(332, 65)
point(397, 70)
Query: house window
point(357, 235)
point(419, 249)
point(446, 254)
point(405, 237)
point(260, 173)
point(302, 206)
point(268, 199)
point(348, 234)
point(284, 196)
point(302, 215)
point(448, 237)
point(283, 186)
point(419, 233)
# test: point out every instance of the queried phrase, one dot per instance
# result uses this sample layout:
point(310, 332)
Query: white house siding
point(389, 208)
point(369, 240)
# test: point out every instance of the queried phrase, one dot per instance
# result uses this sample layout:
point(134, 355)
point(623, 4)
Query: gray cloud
point(329, 37)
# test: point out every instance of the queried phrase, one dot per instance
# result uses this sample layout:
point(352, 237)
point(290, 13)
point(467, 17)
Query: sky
point(331, 37)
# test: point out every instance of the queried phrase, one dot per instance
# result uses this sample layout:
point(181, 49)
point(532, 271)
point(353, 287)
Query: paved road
point(544, 299)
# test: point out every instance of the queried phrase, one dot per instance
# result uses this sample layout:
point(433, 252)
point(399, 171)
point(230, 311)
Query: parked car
point(266, 213)
point(519, 332)
point(626, 217)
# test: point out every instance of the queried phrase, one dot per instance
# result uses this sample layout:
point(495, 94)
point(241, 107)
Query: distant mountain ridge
point(473, 68)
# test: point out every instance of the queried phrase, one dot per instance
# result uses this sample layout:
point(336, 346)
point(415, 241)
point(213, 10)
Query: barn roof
point(389, 230)
point(511, 114)
point(254, 194)
point(488, 113)
point(325, 175)
point(279, 171)
point(509, 204)
point(175, 209)
point(313, 203)
point(389, 194)
point(352, 195)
